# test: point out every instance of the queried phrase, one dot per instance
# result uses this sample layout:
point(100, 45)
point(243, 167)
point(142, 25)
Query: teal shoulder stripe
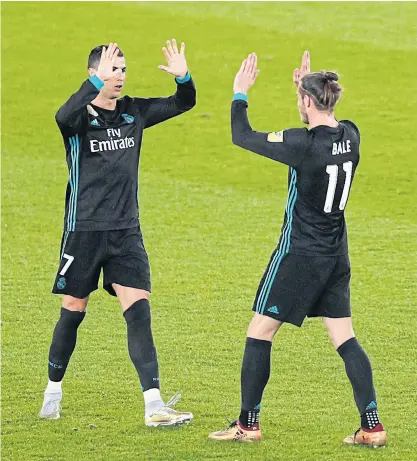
point(283, 247)
point(71, 181)
point(277, 258)
point(77, 177)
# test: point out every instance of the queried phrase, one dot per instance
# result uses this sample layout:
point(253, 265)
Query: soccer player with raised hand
point(102, 134)
point(309, 272)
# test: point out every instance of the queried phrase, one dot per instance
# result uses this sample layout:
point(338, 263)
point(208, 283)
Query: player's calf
point(256, 366)
point(143, 354)
point(359, 371)
point(140, 342)
point(63, 344)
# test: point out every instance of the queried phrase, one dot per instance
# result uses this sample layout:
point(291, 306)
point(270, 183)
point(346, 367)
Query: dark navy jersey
point(102, 151)
point(322, 163)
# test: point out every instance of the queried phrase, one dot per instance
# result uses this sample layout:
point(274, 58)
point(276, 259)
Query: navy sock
point(359, 371)
point(63, 343)
point(141, 347)
point(256, 368)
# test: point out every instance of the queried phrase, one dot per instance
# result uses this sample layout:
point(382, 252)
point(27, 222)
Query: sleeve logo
point(277, 136)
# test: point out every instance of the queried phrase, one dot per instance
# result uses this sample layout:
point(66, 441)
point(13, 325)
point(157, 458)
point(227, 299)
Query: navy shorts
point(294, 287)
point(119, 253)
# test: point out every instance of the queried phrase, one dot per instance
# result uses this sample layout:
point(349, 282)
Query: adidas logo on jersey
point(273, 310)
point(95, 122)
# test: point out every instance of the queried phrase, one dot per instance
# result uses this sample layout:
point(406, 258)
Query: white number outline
point(69, 259)
point(333, 172)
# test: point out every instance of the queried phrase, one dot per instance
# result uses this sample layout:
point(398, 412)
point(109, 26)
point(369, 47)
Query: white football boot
point(51, 405)
point(167, 416)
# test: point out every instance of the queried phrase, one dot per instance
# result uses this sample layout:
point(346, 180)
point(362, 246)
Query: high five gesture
point(106, 65)
point(177, 65)
point(247, 74)
point(298, 74)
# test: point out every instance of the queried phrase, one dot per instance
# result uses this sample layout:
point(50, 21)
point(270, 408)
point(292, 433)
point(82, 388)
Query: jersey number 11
point(333, 172)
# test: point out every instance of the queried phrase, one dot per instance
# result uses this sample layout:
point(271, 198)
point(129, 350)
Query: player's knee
point(128, 295)
point(139, 312)
point(339, 330)
point(68, 322)
point(74, 304)
point(263, 327)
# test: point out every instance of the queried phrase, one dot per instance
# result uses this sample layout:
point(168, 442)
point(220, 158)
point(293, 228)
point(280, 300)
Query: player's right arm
point(69, 116)
point(288, 146)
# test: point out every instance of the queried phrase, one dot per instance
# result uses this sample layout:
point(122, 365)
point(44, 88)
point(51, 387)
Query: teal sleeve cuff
point(97, 82)
point(240, 97)
point(183, 79)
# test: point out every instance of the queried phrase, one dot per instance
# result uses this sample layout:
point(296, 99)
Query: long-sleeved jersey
point(322, 164)
point(103, 149)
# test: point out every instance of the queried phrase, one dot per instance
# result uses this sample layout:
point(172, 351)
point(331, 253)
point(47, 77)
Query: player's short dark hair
point(95, 55)
point(323, 88)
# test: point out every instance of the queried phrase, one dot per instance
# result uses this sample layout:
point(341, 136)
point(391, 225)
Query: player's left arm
point(354, 128)
point(157, 110)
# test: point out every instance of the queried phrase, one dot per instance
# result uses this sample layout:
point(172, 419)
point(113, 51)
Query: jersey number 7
point(333, 172)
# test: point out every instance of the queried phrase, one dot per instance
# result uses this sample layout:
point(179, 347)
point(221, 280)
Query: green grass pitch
point(211, 215)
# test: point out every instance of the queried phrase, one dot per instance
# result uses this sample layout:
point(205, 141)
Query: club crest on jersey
point(277, 136)
point(128, 118)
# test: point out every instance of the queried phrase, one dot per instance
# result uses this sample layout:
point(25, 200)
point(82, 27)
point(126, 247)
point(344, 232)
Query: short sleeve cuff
point(97, 82)
point(240, 97)
point(183, 79)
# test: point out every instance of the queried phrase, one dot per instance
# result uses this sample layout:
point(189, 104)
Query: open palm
point(176, 63)
point(106, 65)
point(247, 74)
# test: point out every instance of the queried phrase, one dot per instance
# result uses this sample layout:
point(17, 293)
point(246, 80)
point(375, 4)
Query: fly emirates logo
point(114, 142)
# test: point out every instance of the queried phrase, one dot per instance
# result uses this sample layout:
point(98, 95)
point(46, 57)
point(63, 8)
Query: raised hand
point(247, 74)
point(298, 74)
point(177, 65)
point(106, 64)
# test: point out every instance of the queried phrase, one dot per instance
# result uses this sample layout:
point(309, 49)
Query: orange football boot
point(375, 438)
